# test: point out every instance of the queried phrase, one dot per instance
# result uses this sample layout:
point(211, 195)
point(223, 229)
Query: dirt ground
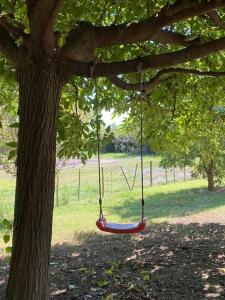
point(171, 262)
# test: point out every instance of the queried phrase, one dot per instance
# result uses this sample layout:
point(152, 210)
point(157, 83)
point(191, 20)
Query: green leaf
point(12, 154)
point(83, 270)
point(6, 238)
point(12, 144)
point(145, 275)
point(102, 283)
point(109, 272)
point(8, 250)
point(7, 224)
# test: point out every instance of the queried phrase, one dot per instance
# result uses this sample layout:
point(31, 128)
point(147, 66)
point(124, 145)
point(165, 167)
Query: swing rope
point(102, 223)
point(98, 152)
point(141, 129)
point(98, 142)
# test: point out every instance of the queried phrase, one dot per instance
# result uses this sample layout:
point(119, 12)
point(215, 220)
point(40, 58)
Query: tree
point(46, 43)
point(187, 126)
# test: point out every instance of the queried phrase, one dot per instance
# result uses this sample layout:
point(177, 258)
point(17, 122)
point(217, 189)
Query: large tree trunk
point(40, 89)
point(210, 176)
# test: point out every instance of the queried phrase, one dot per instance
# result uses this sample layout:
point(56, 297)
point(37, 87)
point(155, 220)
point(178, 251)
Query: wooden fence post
point(151, 177)
point(78, 191)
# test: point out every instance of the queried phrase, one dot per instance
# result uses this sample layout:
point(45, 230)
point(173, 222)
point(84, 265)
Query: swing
point(102, 223)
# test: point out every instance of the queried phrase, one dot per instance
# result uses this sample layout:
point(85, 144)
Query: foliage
point(7, 237)
point(187, 126)
point(8, 141)
point(121, 144)
point(125, 144)
point(77, 124)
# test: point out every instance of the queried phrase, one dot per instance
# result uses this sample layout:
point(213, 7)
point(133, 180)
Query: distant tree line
point(125, 144)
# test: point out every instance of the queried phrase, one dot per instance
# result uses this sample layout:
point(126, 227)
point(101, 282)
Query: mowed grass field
point(175, 202)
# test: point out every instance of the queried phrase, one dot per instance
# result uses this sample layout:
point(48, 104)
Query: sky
point(108, 119)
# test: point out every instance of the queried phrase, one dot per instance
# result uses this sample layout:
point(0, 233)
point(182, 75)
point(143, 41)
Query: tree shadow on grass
point(166, 262)
point(176, 204)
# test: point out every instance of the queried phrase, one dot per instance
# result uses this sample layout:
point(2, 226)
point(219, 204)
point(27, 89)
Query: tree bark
point(39, 88)
point(210, 176)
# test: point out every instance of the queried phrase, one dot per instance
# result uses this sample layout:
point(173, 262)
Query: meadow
point(184, 238)
point(174, 202)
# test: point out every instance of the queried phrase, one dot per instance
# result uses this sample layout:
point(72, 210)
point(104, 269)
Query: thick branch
point(147, 62)
point(178, 6)
point(147, 86)
point(173, 38)
point(144, 30)
point(17, 31)
point(8, 47)
point(216, 19)
point(42, 15)
point(88, 37)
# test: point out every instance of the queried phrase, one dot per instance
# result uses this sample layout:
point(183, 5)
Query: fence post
point(174, 175)
point(57, 188)
point(103, 183)
point(151, 177)
point(166, 175)
point(78, 191)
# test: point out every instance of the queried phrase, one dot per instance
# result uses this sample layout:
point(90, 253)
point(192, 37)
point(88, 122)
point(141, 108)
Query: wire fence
point(80, 182)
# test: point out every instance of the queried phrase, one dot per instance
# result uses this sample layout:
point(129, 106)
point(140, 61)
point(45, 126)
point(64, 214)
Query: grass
point(162, 202)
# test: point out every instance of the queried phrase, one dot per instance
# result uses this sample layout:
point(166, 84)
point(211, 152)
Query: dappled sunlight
point(179, 261)
point(2, 281)
point(221, 271)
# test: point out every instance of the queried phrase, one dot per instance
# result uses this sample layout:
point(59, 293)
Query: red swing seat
point(123, 228)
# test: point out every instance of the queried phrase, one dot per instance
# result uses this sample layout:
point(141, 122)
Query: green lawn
point(165, 202)
point(162, 203)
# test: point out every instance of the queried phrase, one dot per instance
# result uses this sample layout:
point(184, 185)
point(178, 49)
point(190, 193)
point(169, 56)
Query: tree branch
point(148, 86)
point(152, 61)
point(41, 18)
point(178, 6)
point(8, 47)
point(86, 37)
point(13, 29)
point(174, 38)
point(216, 19)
